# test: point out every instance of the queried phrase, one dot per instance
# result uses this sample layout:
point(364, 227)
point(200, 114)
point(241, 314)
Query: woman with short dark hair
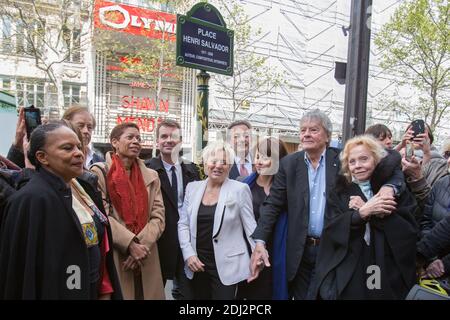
point(271, 282)
point(54, 240)
point(132, 197)
point(381, 133)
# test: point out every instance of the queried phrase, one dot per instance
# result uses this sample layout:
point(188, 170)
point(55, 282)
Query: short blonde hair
point(374, 147)
point(213, 147)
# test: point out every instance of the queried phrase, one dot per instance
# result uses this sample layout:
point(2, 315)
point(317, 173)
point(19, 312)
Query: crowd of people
point(262, 224)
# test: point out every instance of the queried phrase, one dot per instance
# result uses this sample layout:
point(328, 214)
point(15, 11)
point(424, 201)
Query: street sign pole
point(202, 112)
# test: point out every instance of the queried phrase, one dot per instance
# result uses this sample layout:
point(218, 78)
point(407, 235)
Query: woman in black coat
point(54, 236)
point(368, 246)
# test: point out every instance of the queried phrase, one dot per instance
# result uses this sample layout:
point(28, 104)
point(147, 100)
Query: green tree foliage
point(415, 48)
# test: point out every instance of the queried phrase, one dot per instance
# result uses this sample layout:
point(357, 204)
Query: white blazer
point(233, 216)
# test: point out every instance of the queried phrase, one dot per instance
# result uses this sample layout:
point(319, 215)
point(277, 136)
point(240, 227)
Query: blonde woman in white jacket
point(215, 216)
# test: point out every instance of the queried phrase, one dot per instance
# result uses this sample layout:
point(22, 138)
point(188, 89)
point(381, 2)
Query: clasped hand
point(379, 206)
point(259, 260)
point(138, 252)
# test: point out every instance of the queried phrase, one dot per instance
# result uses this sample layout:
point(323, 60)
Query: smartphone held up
point(32, 119)
point(418, 126)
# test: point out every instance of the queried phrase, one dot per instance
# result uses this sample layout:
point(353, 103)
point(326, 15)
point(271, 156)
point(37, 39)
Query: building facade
point(92, 72)
point(127, 91)
point(303, 40)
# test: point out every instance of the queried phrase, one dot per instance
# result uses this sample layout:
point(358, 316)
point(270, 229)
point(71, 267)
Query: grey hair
point(239, 123)
point(216, 146)
point(321, 117)
point(445, 146)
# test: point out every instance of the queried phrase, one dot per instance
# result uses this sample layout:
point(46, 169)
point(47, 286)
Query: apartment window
point(39, 33)
point(30, 94)
point(21, 94)
point(76, 43)
point(71, 95)
point(40, 96)
point(20, 38)
point(6, 33)
point(75, 97)
point(6, 84)
point(66, 92)
point(52, 96)
point(21, 44)
point(73, 42)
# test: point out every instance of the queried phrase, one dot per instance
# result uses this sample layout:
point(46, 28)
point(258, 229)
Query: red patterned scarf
point(128, 194)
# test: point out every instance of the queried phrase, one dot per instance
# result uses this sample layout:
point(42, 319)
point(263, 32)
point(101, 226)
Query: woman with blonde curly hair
point(216, 222)
point(368, 245)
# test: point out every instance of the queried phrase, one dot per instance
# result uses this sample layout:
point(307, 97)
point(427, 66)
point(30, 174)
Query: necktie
point(174, 183)
point(244, 171)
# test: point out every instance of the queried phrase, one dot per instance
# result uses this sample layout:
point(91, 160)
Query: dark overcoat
point(43, 254)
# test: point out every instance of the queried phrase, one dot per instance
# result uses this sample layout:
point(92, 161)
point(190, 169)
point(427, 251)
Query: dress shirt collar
point(248, 159)
point(322, 157)
point(89, 156)
point(169, 166)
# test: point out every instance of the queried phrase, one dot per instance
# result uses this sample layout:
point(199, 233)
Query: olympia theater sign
point(137, 21)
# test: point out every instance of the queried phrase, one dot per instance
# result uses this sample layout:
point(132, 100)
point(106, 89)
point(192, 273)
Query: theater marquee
point(137, 21)
point(133, 98)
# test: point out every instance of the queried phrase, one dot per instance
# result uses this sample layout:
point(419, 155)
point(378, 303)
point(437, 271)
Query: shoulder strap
point(103, 166)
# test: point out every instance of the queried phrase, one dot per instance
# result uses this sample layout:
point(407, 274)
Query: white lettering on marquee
point(122, 25)
point(135, 21)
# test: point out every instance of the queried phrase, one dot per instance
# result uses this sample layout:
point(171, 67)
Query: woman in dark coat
point(54, 237)
point(271, 282)
point(437, 208)
point(368, 246)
